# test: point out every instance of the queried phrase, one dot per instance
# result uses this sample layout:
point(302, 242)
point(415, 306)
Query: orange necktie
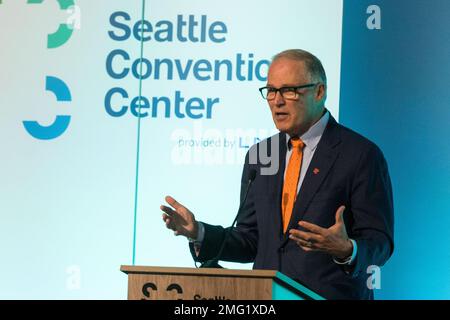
point(291, 181)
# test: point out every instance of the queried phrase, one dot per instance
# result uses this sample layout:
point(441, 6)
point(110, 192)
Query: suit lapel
point(323, 160)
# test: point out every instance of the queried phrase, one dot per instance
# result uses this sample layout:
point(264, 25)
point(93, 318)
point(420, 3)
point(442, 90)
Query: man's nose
point(279, 100)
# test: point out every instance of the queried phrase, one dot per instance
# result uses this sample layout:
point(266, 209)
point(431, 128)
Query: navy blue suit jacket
point(352, 171)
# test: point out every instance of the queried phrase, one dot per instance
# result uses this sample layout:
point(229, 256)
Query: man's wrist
point(200, 234)
point(350, 258)
point(347, 252)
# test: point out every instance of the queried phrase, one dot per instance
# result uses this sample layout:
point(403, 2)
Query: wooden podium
point(168, 283)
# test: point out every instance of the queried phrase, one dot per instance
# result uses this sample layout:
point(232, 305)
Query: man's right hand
point(181, 220)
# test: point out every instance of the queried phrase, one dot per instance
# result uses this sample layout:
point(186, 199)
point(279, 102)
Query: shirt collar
point(312, 137)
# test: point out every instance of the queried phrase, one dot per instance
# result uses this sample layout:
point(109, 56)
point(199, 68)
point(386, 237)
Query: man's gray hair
point(312, 63)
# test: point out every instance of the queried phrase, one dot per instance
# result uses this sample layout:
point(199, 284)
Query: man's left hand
point(333, 240)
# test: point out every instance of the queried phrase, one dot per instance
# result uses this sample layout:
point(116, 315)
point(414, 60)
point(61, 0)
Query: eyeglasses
point(291, 93)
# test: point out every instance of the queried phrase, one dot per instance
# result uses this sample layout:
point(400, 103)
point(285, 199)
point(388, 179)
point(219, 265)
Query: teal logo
point(53, 84)
point(64, 32)
point(61, 123)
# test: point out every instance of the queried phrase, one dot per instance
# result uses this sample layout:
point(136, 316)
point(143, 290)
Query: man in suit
point(326, 214)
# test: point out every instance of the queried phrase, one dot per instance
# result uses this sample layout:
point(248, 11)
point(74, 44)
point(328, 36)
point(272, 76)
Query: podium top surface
point(199, 271)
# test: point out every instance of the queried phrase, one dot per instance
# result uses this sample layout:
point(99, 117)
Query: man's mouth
point(280, 116)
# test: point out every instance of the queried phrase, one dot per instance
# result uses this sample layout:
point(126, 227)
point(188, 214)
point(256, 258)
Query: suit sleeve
point(372, 212)
point(242, 240)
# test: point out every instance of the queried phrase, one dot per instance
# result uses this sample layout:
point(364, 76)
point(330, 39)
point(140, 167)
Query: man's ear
point(321, 92)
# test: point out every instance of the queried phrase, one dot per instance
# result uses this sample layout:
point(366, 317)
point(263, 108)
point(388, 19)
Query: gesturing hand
point(181, 220)
point(333, 240)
